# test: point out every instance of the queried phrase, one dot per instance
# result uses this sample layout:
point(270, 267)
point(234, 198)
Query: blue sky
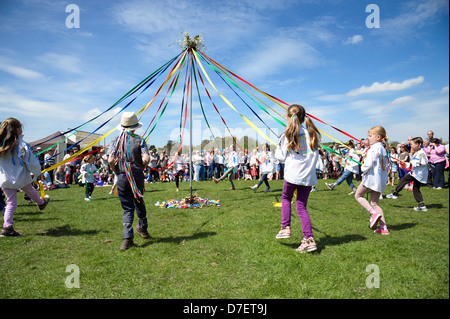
point(318, 53)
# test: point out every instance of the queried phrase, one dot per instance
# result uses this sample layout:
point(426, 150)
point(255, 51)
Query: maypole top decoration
point(188, 42)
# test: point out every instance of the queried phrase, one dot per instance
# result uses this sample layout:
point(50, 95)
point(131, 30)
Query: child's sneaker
point(232, 189)
point(308, 245)
point(267, 190)
point(87, 199)
point(9, 232)
point(374, 220)
point(46, 200)
point(330, 186)
point(352, 192)
point(285, 232)
point(255, 187)
point(421, 208)
point(381, 231)
point(391, 196)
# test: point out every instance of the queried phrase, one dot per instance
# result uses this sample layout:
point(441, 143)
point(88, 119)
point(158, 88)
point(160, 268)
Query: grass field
point(227, 252)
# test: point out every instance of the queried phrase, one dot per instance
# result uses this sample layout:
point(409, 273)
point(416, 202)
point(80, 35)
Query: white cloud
point(403, 99)
point(414, 16)
point(20, 72)
point(11, 102)
point(444, 89)
point(66, 63)
point(272, 55)
point(354, 39)
point(386, 86)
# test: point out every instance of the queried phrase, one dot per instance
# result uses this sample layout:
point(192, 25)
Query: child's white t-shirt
point(350, 165)
point(267, 162)
point(419, 164)
point(87, 172)
point(300, 166)
point(375, 168)
point(17, 166)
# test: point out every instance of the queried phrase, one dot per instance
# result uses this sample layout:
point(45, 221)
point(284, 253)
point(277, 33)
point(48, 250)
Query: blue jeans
point(264, 179)
point(348, 176)
point(438, 174)
point(200, 172)
point(211, 167)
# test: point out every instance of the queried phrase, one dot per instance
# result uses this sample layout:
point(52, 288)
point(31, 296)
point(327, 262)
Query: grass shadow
point(25, 220)
point(435, 206)
point(402, 226)
point(179, 239)
point(66, 230)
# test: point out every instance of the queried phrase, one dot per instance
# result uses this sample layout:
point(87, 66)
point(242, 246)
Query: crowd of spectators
point(207, 165)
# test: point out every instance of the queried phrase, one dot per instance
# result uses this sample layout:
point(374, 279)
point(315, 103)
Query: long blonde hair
point(9, 135)
point(296, 115)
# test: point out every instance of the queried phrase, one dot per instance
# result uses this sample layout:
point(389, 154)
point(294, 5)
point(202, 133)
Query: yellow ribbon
point(41, 188)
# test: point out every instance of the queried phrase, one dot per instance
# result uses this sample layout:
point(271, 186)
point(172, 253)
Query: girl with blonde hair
point(375, 170)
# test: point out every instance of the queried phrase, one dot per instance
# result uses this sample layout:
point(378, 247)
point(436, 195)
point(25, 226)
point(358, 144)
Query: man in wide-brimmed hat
point(128, 158)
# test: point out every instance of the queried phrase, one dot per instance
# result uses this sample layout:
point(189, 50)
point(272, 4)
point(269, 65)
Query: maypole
point(190, 44)
point(190, 131)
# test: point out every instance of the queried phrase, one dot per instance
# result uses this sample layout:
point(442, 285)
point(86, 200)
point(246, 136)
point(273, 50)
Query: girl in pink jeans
point(299, 150)
point(17, 163)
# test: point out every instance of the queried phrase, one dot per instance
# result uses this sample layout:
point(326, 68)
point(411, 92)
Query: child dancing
point(418, 174)
point(267, 166)
point(87, 172)
point(351, 168)
point(298, 149)
point(17, 163)
point(179, 169)
point(375, 170)
point(232, 164)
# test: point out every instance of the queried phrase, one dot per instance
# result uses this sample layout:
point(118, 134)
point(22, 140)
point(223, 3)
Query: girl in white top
point(179, 169)
point(298, 149)
point(418, 173)
point(375, 170)
point(394, 164)
point(266, 165)
point(219, 159)
point(87, 171)
point(17, 165)
point(232, 165)
point(254, 164)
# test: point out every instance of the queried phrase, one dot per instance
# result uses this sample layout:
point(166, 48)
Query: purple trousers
point(11, 202)
point(302, 200)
